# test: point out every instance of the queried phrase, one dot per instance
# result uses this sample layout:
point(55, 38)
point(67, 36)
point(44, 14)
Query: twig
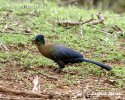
point(112, 29)
point(116, 28)
point(16, 32)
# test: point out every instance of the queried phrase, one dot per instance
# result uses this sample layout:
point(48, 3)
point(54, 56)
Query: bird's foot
point(57, 70)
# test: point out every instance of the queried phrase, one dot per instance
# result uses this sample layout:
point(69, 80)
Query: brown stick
point(116, 28)
point(100, 20)
point(23, 93)
point(18, 98)
point(95, 22)
point(91, 21)
point(32, 94)
point(71, 23)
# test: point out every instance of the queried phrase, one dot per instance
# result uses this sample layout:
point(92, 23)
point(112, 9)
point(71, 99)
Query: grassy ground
point(20, 61)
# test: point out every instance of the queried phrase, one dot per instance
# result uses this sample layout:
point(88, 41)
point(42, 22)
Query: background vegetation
point(115, 5)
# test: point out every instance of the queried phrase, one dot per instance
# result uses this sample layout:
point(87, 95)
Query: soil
point(15, 77)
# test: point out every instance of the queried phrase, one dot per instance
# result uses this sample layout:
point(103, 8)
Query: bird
point(62, 55)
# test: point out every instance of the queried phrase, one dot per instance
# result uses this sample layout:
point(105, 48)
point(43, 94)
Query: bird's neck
point(40, 46)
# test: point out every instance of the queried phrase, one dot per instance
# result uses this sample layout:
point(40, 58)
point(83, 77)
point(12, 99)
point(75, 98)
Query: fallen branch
point(67, 23)
point(18, 98)
point(34, 95)
point(100, 20)
point(95, 22)
point(22, 93)
point(91, 21)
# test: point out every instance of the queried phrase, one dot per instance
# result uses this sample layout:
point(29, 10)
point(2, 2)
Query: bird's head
point(39, 40)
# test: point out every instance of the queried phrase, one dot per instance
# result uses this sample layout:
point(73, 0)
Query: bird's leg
point(61, 66)
point(59, 70)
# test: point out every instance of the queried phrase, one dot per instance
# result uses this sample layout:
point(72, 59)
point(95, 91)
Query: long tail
point(99, 64)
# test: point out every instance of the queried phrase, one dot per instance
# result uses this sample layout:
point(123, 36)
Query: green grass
point(94, 44)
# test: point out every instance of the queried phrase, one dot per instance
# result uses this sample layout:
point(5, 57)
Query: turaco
point(62, 55)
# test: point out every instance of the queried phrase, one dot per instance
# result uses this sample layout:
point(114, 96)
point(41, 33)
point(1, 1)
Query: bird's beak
point(33, 41)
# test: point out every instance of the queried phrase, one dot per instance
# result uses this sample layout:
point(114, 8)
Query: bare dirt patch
point(85, 88)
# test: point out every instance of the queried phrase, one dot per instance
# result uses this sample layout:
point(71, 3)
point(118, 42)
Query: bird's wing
point(63, 53)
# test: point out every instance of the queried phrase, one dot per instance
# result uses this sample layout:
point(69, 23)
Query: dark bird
point(62, 55)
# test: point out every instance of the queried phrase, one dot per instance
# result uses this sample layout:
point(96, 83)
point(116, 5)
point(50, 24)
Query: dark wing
point(61, 53)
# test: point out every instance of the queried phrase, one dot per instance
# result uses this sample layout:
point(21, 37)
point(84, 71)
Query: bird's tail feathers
point(99, 64)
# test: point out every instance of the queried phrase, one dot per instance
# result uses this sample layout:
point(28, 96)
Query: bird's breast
point(45, 50)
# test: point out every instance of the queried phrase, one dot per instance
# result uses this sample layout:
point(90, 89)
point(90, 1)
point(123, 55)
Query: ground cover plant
point(20, 60)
